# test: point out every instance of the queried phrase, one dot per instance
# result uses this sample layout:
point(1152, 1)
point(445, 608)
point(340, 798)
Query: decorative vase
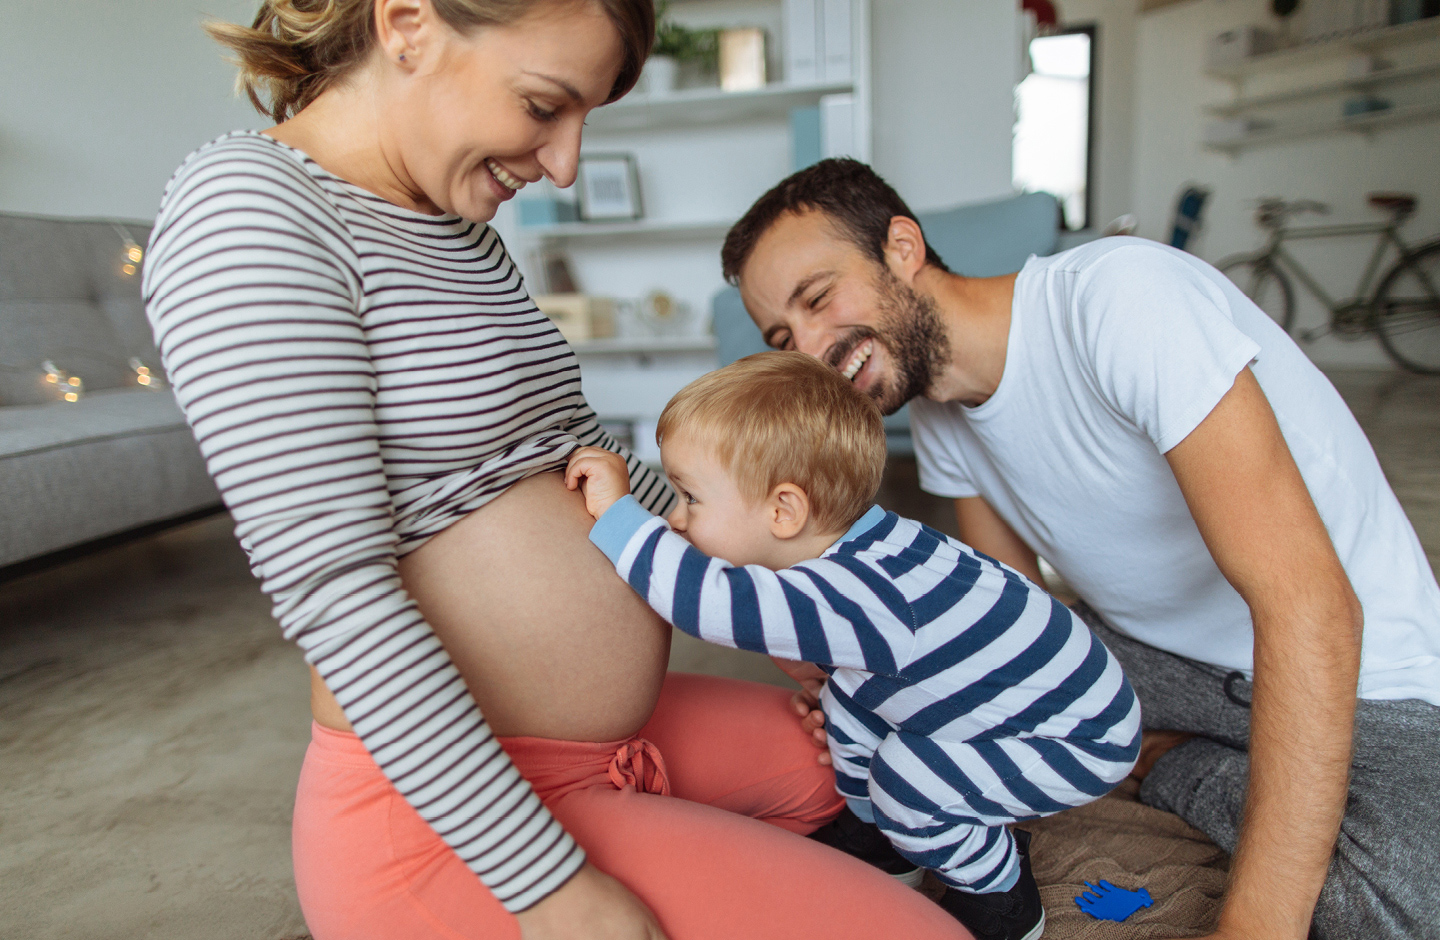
point(660, 75)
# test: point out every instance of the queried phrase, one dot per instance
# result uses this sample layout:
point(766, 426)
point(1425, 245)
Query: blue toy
point(1108, 902)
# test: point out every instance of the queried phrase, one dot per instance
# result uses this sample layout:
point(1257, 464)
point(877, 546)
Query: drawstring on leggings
point(1229, 687)
point(628, 768)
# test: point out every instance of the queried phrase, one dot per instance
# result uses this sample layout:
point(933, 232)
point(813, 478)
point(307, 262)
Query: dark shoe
point(1004, 915)
point(853, 836)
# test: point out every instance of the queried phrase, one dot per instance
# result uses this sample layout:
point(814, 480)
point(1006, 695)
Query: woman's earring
point(402, 57)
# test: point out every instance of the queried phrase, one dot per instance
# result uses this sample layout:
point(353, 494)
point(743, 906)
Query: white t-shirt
point(1118, 349)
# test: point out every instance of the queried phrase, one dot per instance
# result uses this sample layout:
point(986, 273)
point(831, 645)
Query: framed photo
point(609, 187)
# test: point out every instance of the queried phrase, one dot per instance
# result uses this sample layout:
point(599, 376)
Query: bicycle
point(1404, 308)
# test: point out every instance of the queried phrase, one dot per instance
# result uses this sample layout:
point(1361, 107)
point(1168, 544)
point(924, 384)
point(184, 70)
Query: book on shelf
point(802, 42)
point(835, 14)
point(817, 41)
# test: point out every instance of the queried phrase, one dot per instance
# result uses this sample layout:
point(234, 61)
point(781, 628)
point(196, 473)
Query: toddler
point(961, 696)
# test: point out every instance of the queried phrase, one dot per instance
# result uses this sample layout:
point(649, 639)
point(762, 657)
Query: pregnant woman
point(386, 412)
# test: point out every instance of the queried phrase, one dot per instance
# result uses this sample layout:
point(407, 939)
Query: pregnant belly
point(550, 641)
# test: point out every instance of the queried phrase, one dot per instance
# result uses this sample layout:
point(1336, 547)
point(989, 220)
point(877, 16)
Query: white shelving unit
point(710, 106)
point(1310, 104)
point(644, 345)
point(1397, 76)
point(1357, 44)
point(703, 156)
point(641, 228)
point(1359, 124)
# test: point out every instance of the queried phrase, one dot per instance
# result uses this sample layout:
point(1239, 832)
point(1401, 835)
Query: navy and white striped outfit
point(359, 377)
point(961, 696)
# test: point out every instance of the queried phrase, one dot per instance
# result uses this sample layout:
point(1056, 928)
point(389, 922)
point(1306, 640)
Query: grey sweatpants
point(1384, 878)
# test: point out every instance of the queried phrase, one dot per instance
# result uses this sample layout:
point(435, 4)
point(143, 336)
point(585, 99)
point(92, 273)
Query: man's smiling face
point(810, 288)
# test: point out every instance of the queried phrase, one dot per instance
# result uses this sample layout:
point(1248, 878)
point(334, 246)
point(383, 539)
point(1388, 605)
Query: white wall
point(102, 100)
point(1168, 88)
point(944, 76)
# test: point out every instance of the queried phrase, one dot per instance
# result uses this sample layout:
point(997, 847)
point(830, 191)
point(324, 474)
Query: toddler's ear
point(788, 509)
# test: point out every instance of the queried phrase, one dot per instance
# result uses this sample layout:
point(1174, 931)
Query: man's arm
point(1261, 527)
point(983, 530)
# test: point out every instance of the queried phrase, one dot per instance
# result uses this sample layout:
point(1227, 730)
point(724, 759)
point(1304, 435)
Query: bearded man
point(1123, 410)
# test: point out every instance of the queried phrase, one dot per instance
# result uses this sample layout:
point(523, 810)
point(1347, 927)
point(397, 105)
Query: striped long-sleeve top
point(359, 377)
point(919, 633)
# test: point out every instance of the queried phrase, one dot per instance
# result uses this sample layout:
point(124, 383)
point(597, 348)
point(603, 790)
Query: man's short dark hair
point(856, 200)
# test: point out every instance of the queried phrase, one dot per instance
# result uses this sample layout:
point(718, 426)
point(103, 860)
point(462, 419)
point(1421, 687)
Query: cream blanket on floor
point(1132, 846)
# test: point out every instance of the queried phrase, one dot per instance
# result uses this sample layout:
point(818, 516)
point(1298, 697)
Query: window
point(1053, 126)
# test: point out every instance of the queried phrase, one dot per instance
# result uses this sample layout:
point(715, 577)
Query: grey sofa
point(118, 458)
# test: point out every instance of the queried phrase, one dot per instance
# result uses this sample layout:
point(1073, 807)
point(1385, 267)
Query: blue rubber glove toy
point(1108, 902)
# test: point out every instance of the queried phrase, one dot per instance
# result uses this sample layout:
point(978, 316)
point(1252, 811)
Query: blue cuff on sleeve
point(613, 530)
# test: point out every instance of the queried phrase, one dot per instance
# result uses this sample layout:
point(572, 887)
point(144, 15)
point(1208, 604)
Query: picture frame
point(609, 187)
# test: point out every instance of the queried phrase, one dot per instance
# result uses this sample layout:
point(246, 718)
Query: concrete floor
point(152, 720)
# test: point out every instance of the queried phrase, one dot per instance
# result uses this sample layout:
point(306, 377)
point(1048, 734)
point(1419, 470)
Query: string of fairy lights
point(68, 387)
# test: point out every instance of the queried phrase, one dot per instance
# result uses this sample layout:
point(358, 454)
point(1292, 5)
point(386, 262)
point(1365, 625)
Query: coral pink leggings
point(700, 815)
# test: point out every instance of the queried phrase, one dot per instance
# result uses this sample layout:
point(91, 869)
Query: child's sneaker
point(853, 836)
point(1004, 915)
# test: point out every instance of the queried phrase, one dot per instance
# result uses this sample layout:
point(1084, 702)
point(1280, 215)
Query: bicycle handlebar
point(1272, 211)
point(1276, 204)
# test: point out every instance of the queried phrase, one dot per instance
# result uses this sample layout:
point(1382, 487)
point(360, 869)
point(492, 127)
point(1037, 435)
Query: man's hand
point(590, 906)
point(601, 475)
point(806, 702)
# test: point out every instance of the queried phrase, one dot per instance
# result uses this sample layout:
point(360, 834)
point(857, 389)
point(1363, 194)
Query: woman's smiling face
point(476, 116)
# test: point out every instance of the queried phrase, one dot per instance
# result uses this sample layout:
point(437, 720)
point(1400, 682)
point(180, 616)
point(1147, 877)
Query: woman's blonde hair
point(298, 48)
point(785, 417)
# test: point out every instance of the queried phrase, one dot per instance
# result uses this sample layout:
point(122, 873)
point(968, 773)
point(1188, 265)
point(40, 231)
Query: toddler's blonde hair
point(786, 417)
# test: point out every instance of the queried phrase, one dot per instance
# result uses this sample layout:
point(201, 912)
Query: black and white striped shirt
point(359, 377)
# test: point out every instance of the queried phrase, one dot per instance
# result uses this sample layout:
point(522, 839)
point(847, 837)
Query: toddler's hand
point(806, 702)
point(601, 475)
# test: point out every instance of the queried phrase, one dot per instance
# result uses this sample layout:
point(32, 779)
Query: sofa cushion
point(114, 288)
point(70, 293)
point(107, 414)
point(41, 259)
point(993, 238)
point(115, 460)
point(75, 335)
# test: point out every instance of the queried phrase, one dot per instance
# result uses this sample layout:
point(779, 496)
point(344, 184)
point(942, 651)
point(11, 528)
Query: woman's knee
point(738, 746)
point(710, 720)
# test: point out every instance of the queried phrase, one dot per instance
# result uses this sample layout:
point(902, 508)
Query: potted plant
point(676, 45)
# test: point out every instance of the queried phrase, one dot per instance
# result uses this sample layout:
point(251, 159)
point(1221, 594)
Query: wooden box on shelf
point(580, 317)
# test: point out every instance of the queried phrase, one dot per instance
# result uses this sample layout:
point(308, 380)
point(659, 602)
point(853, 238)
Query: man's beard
point(910, 329)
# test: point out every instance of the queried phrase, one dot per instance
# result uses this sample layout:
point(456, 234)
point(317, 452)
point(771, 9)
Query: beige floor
point(152, 721)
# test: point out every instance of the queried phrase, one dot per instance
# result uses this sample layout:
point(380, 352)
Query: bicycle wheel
point(1407, 311)
point(1263, 283)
